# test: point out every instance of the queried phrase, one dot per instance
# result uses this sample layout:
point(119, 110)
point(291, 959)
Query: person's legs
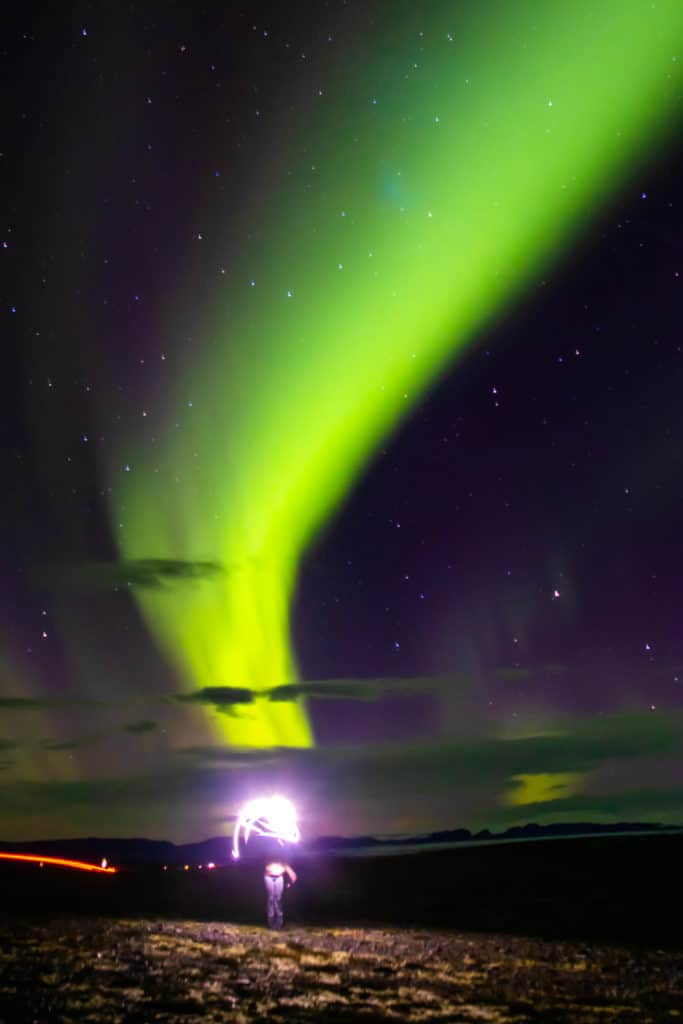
point(274, 888)
point(270, 902)
point(279, 889)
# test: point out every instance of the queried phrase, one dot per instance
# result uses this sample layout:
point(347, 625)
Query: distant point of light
point(60, 862)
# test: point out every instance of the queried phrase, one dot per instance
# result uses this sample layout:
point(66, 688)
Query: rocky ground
point(96, 970)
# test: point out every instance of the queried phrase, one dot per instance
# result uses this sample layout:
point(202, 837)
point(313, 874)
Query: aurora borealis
point(410, 208)
point(342, 432)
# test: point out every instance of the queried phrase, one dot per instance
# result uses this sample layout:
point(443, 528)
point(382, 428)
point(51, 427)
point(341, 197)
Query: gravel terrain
point(97, 970)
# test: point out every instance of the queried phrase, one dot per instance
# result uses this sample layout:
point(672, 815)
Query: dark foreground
point(96, 970)
point(575, 931)
point(607, 890)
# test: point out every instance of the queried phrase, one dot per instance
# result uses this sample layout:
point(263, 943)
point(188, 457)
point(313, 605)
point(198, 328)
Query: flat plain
point(65, 968)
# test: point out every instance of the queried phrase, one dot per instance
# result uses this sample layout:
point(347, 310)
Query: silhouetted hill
point(217, 850)
point(461, 835)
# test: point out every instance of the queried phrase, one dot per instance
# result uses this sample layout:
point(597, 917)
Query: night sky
point(342, 441)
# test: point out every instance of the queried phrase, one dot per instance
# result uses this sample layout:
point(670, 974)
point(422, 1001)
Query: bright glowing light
point(60, 862)
point(272, 817)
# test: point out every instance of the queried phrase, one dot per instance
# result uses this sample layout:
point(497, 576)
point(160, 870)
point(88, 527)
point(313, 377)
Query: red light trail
point(61, 862)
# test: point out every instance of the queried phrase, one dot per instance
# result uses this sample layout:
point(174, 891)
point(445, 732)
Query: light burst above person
point(271, 817)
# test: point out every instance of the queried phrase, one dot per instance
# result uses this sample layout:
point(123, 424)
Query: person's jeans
point(274, 887)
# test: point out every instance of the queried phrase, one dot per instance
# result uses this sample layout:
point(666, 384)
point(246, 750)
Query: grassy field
point(97, 970)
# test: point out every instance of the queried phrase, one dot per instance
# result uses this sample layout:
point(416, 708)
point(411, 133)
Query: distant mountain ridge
point(463, 835)
point(216, 850)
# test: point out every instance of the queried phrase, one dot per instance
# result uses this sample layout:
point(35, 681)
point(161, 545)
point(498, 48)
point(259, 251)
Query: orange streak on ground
point(59, 861)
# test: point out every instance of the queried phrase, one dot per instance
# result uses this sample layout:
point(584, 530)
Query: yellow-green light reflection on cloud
point(540, 787)
point(436, 178)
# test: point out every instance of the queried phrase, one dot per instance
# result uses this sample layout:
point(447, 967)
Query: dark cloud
point(69, 745)
point(359, 689)
point(222, 698)
point(637, 805)
point(149, 573)
point(139, 796)
point(391, 787)
point(6, 765)
point(244, 755)
point(22, 704)
point(104, 793)
point(478, 772)
point(7, 744)
point(143, 726)
point(51, 703)
point(327, 689)
point(578, 745)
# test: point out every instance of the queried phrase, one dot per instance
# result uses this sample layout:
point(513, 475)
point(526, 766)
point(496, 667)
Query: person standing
point(274, 877)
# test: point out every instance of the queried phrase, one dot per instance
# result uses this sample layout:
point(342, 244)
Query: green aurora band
point(445, 164)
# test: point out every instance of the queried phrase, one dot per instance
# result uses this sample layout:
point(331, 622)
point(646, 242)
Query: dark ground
point(100, 970)
point(574, 931)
